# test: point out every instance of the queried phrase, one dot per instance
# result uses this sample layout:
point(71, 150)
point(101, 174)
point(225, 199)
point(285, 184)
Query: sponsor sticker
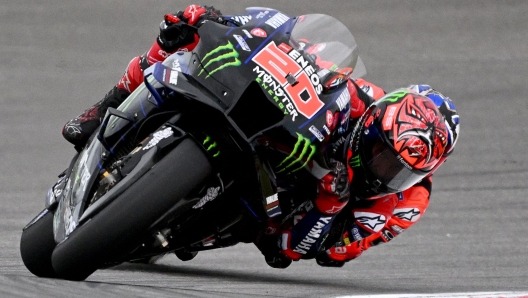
point(281, 66)
point(329, 118)
point(247, 33)
point(242, 19)
point(343, 100)
point(158, 136)
point(315, 233)
point(262, 14)
point(173, 79)
point(243, 44)
point(259, 32)
point(220, 58)
point(277, 20)
point(397, 229)
point(316, 133)
point(212, 193)
point(326, 129)
point(176, 65)
point(305, 151)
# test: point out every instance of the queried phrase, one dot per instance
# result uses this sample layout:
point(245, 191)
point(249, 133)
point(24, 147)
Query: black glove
point(336, 181)
point(174, 36)
point(210, 14)
point(178, 29)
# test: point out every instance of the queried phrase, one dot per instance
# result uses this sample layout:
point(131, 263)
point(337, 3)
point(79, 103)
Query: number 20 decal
point(279, 65)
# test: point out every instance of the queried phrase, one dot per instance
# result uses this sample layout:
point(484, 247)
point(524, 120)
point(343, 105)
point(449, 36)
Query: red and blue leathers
point(370, 222)
point(378, 221)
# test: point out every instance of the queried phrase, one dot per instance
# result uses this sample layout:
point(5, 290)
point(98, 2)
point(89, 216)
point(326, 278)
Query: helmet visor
point(388, 170)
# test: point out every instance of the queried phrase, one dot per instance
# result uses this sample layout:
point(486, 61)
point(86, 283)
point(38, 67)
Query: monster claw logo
point(211, 146)
point(355, 161)
point(394, 96)
point(307, 147)
point(224, 56)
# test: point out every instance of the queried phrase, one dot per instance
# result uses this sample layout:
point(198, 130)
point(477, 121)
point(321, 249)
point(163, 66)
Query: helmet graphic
point(447, 108)
point(396, 143)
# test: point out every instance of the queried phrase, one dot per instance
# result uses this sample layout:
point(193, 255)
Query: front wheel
point(119, 228)
point(37, 244)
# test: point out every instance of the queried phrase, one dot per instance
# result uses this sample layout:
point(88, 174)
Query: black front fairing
point(261, 79)
point(264, 57)
point(264, 52)
point(225, 54)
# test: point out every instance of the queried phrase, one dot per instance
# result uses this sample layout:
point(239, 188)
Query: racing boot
point(293, 240)
point(268, 246)
point(78, 130)
point(267, 242)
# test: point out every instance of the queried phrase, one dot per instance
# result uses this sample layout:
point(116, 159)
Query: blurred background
point(59, 57)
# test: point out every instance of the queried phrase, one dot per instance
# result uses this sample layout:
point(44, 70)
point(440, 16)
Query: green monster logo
point(355, 162)
point(394, 96)
point(304, 152)
point(221, 53)
point(211, 146)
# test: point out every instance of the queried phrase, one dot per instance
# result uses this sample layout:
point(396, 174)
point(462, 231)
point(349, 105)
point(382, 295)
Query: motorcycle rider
point(178, 33)
point(371, 222)
point(386, 198)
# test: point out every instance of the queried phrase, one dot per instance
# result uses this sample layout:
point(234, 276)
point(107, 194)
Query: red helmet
point(395, 144)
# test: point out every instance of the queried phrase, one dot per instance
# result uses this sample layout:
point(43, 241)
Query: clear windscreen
point(329, 39)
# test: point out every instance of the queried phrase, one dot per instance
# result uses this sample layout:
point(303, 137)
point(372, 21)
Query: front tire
point(120, 227)
point(36, 246)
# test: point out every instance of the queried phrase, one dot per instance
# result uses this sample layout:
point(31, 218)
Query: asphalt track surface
point(59, 57)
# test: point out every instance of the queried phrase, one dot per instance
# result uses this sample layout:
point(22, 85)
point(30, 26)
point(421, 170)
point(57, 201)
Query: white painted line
point(447, 295)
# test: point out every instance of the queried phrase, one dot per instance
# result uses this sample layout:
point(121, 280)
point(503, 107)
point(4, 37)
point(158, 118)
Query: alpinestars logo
point(307, 151)
point(222, 57)
point(372, 221)
point(125, 82)
point(410, 214)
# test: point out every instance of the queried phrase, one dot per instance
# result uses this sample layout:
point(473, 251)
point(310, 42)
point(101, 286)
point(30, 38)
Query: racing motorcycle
point(198, 156)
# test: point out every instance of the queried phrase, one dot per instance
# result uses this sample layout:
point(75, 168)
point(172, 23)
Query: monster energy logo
point(355, 161)
point(211, 146)
point(308, 151)
point(394, 96)
point(218, 55)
